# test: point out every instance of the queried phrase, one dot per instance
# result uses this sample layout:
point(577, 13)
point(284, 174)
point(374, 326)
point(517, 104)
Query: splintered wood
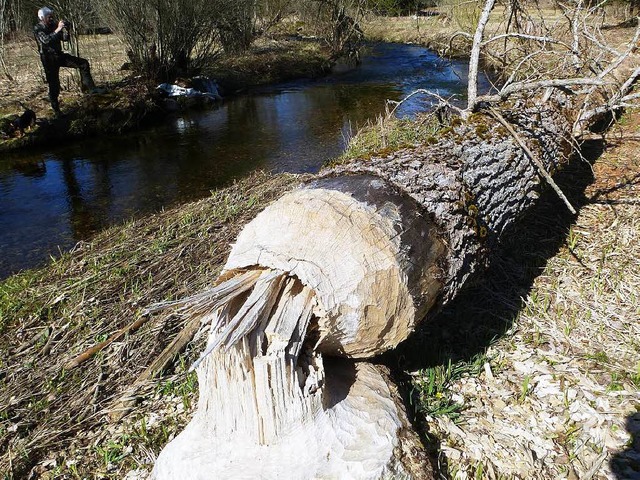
point(280, 394)
point(266, 408)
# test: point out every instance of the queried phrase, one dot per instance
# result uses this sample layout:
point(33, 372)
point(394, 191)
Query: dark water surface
point(54, 197)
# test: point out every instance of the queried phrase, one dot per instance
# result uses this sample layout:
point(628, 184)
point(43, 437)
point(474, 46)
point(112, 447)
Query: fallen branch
point(521, 87)
point(87, 354)
point(126, 402)
point(422, 91)
point(524, 36)
point(466, 35)
point(617, 101)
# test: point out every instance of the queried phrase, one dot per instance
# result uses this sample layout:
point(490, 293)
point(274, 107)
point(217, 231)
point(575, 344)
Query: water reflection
point(53, 198)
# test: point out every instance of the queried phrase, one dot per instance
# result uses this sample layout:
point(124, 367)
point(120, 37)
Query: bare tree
point(3, 33)
point(337, 22)
point(165, 37)
point(236, 24)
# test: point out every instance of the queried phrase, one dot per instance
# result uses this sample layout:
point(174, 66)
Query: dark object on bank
point(25, 121)
point(97, 31)
point(14, 126)
point(428, 13)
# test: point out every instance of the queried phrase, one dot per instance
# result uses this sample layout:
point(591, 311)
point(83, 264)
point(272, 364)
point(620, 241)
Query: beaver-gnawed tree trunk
point(341, 269)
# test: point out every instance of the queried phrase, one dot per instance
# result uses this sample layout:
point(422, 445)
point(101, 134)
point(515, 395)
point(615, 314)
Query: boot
point(86, 79)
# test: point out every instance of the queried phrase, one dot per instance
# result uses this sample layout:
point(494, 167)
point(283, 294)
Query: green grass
point(13, 302)
point(387, 134)
point(431, 386)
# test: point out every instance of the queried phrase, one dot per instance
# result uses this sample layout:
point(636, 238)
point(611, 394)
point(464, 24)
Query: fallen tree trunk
point(345, 267)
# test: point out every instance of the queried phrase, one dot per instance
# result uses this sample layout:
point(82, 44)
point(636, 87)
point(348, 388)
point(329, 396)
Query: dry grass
point(50, 415)
point(271, 60)
point(435, 31)
point(559, 394)
point(106, 53)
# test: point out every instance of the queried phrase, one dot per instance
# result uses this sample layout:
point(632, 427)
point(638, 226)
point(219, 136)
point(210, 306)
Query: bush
point(165, 38)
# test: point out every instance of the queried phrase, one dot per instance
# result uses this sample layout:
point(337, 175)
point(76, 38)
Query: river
point(55, 196)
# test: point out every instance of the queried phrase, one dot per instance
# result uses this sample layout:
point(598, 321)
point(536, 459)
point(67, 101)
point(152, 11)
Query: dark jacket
point(49, 42)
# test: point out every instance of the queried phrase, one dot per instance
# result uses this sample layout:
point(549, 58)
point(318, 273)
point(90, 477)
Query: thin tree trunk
point(3, 32)
point(474, 60)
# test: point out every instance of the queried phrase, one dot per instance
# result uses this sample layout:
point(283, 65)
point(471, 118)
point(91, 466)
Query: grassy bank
point(130, 103)
point(53, 420)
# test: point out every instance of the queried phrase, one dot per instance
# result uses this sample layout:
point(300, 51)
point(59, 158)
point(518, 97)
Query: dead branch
point(520, 87)
point(524, 36)
point(125, 403)
point(422, 91)
point(466, 35)
point(616, 101)
point(87, 354)
point(474, 60)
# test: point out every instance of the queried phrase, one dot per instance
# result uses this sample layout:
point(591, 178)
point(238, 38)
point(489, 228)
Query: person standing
point(49, 37)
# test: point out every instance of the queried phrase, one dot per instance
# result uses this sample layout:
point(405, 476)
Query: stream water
point(54, 197)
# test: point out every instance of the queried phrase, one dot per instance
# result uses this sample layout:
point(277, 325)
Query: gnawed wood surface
point(350, 263)
point(347, 238)
point(272, 407)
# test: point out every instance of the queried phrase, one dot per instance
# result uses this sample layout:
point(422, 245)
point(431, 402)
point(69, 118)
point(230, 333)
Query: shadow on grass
point(456, 338)
point(626, 464)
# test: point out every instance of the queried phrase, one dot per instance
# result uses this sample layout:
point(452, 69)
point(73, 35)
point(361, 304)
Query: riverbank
point(53, 418)
point(130, 103)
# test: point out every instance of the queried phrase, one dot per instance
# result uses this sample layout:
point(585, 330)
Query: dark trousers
point(52, 73)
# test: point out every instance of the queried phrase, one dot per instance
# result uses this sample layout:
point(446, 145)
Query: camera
point(67, 24)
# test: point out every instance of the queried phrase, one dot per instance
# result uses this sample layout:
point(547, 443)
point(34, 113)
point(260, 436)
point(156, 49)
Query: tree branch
point(472, 92)
point(422, 91)
point(525, 36)
point(519, 87)
point(533, 158)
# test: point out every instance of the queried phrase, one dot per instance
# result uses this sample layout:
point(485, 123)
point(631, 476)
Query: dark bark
point(476, 181)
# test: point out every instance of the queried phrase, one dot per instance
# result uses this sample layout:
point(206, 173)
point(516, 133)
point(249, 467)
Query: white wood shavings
point(573, 420)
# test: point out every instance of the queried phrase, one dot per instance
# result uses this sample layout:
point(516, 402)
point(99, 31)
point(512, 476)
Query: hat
point(43, 12)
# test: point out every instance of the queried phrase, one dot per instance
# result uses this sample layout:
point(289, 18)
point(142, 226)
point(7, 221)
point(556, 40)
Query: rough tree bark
point(341, 269)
